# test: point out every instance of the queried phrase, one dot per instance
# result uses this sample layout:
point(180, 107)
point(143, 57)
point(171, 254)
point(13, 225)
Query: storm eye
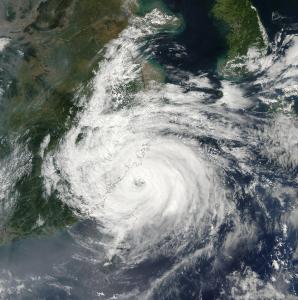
point(139, 182)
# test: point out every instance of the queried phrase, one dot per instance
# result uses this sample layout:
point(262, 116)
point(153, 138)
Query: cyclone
point(141, 183)
point(169, 173)
point(149, 188)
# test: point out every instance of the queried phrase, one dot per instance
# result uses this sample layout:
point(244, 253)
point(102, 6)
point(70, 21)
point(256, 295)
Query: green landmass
point(238, 21)
point(55, 48)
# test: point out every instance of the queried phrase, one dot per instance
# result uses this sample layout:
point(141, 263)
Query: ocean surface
point(133, 166)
